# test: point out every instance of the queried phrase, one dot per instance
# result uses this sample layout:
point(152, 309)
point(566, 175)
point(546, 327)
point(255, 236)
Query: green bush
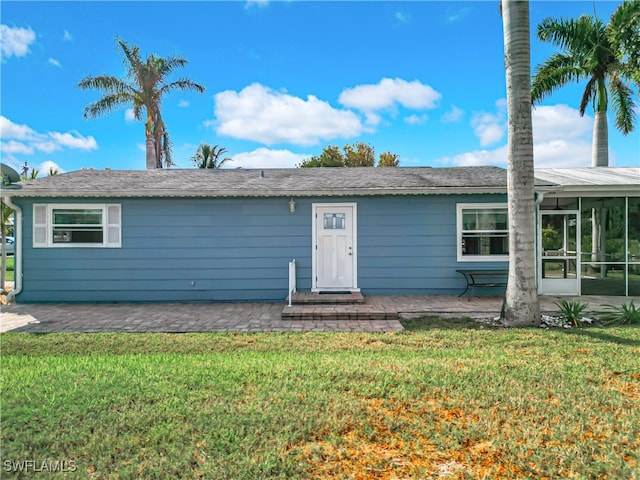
point(571, 311)
point(621, 315)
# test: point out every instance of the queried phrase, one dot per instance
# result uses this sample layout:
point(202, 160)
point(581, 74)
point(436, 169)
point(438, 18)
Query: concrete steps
point(335, 306)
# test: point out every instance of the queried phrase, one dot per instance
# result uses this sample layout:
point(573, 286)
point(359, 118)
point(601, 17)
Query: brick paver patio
point(251, 317)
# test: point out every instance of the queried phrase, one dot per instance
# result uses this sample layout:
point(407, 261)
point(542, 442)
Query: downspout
point(17, 253)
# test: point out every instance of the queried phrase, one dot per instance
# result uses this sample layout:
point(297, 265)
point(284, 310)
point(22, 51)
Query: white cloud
point(16, 41)
point(8, 129)
point(490, 128)
point(21, 139)
point(478, 158)
point(129, 116)
point(66, 36)
point(402, 17)
point(388, 93)
point(266, 158)
point(261, 114)
point(48, 165)
point(454, 115)
point(55, 63)
point(12, 147)
point(74, 140)
point(46, 146)
point(560, 121)
point(490, 133)
point(562, 153)
point(416, 119)
point(183, 103)
point(561, 138)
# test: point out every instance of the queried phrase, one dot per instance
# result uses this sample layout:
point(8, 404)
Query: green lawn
point(429, 402)
point(9, 275)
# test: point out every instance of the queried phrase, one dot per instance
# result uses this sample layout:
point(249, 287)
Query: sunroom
point(589, 232)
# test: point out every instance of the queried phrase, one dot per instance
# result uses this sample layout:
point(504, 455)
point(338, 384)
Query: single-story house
point(231, 234)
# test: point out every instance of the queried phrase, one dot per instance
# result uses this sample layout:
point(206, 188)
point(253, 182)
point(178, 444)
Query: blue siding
point(239, 249)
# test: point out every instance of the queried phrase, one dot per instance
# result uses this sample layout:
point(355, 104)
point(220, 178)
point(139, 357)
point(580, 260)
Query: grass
point(430, 402)
point(10, 274)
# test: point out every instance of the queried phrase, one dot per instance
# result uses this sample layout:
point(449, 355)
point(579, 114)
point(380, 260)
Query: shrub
point(621, 315)
point(571, 311)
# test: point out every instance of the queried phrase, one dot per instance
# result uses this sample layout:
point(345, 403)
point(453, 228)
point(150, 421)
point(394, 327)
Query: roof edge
point(368, 192)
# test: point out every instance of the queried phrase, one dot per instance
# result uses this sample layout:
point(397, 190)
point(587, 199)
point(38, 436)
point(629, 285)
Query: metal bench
point(483, 278)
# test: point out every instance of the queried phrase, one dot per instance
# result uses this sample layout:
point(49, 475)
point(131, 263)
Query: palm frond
point(624, 107)
point(107, 83)
point(588, 95)
point(554, 73)
point(181, 84)
point(167, 150)
point(171, 63)
point(132, 56)
point(107, 104)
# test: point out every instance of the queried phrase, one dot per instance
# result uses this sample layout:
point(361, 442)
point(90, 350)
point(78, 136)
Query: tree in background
point(388, 159)
point(356, 155)
point(521, 306)
point(588, 53)
point(359, 155)
point(145, 85)
point(208, 156)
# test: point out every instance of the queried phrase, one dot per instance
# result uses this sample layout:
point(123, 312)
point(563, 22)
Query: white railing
point(292, 279)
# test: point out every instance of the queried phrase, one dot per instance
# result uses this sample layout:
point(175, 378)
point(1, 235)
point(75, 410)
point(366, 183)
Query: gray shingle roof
point(267, 182)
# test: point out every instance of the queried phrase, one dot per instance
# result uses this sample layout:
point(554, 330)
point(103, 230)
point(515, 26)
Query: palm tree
point(520, 307)
point(144, 87)
point(208, 156)
point(587, 54)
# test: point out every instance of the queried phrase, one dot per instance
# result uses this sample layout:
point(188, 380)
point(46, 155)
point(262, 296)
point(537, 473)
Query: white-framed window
point(482, 232)
point(77, 225)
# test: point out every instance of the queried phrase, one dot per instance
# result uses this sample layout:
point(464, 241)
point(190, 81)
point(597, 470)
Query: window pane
point(469, 220)
point(603, 229)
point(77, 217)
point(484, 219)
point(559, 268)
point(485, 244)
point(603, 279)
point(79, 235)
point(334, 221)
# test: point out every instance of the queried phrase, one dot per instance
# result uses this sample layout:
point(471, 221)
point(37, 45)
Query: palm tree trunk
point(151, 153)
point(600, 146)
point(520, 307)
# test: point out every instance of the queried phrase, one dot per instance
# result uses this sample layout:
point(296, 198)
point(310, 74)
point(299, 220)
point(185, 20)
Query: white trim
point(475, 258)
point(558, 286)
point(111, 225)
point(314, 244)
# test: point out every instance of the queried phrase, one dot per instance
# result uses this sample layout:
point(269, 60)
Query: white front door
point(559, 241)
point(334, 248)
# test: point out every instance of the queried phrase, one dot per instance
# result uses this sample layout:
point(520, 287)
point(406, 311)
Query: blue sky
point(284, 79)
